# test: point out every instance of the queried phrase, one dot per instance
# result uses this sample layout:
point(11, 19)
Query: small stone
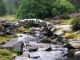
point(48, 49)
point(33, 48)
point(26, 55)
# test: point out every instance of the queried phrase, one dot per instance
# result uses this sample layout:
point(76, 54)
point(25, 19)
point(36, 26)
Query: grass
point(71, 35)
point(4, 39)
point(9, 18)
point(71, 21)
point(6, 54)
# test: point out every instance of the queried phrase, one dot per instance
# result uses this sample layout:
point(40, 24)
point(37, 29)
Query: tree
point(64, 7)
point(76, 3)
point(11, 6)
point(2, 8)
point(34, 9)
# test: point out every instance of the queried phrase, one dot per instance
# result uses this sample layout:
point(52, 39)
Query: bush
point(64, 7)
point(54, 12)
point(34, 9)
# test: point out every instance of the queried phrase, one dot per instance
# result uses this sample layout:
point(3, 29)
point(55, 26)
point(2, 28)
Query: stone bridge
point(11, 27)
point(37, 21)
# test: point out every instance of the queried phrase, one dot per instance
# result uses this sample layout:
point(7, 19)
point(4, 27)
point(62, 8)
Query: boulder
point(77, 55)
point(33, 48)
point(13, 45)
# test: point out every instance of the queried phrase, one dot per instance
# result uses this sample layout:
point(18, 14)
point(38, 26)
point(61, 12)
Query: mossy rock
point(72, 35)
point(21, 29)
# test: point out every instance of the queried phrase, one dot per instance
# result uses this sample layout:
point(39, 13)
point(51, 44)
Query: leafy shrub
point(64, 7)
point(34, 9)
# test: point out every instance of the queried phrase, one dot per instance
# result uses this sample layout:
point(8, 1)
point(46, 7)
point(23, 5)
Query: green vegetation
point(4, 39)
point(63, 7)
point(44, 8)
point(70, 35)
point(9, 18)
point(34, 8)
point(76, 3)
point(11, 6)
point(2, 8)
point(6, 55)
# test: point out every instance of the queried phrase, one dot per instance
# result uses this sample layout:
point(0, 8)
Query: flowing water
point(56, 53)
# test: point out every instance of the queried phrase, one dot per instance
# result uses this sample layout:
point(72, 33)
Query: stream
point(40, 51)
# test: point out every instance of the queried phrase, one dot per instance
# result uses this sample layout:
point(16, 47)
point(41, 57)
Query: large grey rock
point(13, 45)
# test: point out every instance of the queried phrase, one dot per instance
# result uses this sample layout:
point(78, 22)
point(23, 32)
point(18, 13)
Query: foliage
point(54, 12)
point(76, 3)
point(2, 8)
point(64, 7)
point(5, 54)
point(34, 9)
point(11, 6)
point(44, 8)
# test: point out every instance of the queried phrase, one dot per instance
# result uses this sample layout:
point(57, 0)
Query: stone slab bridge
point(47, 25)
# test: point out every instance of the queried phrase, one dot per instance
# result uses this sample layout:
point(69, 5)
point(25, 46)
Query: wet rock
point(22, 58)
point(64, 40)
point(33, 48)
point(37, 29)
point(68, 46)
point(77, 32)
point(70, 53)
point(48, 49)
point(77, 55)
point(54, 41)
point(35, 57)
point(44, 40)
point(26, 55)
point(59, 33)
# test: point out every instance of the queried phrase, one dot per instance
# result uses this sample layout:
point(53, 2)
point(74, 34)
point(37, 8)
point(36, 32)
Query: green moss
point(71, 35)
point(4, 39)
point(6, 54)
